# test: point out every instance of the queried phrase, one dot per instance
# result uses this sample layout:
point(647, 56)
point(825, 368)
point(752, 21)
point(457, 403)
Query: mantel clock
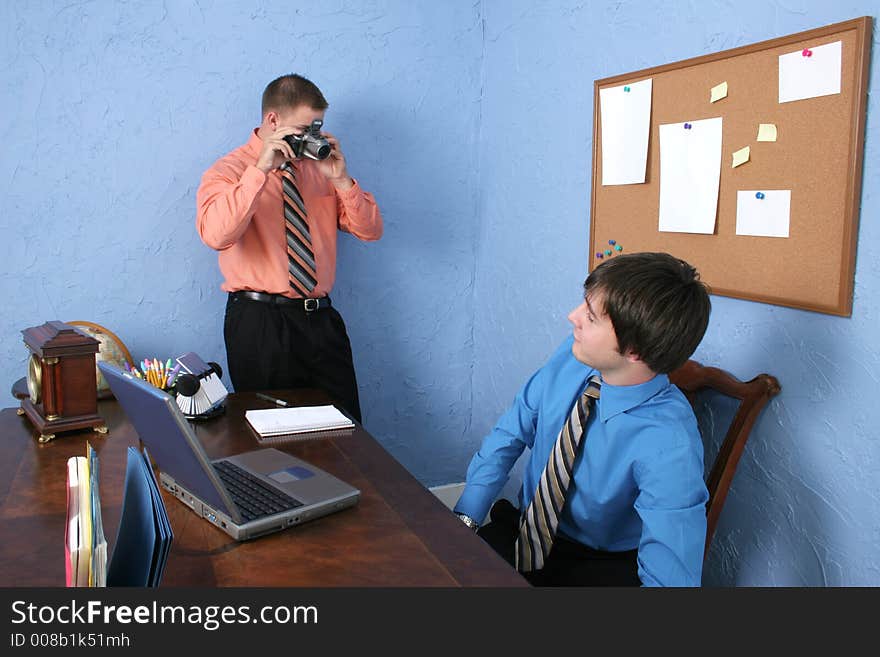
point(61, 380)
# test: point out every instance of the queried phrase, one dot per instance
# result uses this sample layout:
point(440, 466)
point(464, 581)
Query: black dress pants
point(569, 563)
point(273, 346)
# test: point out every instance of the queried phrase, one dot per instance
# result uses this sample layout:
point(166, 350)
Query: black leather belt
point(308, 305)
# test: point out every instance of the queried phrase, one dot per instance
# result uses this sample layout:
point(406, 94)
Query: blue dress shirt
point(637, 479)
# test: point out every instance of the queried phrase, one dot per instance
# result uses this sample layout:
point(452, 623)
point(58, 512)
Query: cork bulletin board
point(817, 155)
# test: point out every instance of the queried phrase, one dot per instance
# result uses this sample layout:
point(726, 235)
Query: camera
point(310, 144)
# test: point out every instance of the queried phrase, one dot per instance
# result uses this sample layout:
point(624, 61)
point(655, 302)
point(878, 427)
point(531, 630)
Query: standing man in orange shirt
point(272, 208)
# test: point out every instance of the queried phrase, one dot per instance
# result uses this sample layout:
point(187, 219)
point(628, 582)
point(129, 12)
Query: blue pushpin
point(612, 242)
point(687, 126)
point(759, 195)
point(599, 255)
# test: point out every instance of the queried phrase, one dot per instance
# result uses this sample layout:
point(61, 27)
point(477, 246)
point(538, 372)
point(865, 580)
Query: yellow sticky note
point(740, 157)
point(766, 132)
point(718, 92)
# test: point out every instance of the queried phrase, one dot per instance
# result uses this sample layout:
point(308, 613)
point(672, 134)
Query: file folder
point(85, 546)
point(144, 537)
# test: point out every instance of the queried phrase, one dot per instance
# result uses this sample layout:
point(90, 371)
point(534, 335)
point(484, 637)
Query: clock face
point(35, 378)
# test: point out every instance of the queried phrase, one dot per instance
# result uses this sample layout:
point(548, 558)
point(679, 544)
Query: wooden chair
point(752, 396)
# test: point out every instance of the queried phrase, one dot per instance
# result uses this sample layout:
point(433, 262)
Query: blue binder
point(144, 538)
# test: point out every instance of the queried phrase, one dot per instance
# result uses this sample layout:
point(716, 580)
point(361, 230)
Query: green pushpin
point(618, 248)
point(608, 252)
point(626, 88)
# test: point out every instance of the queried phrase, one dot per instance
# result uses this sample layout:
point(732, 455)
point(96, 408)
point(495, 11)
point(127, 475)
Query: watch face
point(35, 378)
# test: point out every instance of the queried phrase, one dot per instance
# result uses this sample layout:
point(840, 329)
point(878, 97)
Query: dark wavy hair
point(657, 304)
point(292, 90)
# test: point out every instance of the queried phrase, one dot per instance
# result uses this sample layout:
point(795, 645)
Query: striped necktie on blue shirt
point(538, 526)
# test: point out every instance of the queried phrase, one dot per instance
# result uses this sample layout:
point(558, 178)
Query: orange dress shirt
point(240, 215)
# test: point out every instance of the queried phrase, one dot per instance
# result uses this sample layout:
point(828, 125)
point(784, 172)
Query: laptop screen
point(171, 441)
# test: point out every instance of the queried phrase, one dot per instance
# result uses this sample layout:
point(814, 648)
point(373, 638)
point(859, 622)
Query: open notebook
point(297, 421)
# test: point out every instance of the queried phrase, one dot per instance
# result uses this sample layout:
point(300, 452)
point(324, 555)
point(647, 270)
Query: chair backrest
point(691, 378)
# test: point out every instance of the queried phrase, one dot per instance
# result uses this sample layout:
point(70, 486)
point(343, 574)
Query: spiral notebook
point(298, 423)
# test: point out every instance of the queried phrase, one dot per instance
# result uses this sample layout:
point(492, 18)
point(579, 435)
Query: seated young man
point(623, 501)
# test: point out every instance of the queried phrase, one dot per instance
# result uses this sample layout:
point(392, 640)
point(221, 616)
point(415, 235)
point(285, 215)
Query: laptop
point(246, 495)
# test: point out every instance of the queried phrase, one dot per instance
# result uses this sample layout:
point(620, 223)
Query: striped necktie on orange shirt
point(301, 270)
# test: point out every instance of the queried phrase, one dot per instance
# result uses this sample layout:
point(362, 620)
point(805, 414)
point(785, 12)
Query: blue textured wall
point(803, 509)
point(471, 122)
point(110, 113)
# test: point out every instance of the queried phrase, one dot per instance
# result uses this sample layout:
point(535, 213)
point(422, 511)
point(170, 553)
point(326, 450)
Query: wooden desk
point(398, 534)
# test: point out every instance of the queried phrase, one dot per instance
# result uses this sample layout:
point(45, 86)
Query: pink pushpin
point(807, 52)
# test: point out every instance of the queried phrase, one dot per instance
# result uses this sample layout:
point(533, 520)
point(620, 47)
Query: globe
point(111, 350)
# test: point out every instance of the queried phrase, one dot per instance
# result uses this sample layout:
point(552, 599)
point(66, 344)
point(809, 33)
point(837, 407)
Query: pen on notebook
point(280, 402)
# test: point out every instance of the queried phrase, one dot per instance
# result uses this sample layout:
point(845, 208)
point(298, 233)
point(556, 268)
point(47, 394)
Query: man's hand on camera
point(275, 151)
point(333, 168)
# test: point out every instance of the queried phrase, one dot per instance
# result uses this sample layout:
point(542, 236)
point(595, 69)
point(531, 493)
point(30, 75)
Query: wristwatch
point(470, 522)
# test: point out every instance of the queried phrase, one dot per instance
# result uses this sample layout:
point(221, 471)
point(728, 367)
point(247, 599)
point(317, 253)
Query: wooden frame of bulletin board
point(818, 156)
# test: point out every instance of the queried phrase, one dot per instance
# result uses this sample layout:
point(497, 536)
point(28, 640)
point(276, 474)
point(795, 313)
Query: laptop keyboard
point(253, 498)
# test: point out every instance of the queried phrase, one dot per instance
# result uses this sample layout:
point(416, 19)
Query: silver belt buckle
point(310, 304)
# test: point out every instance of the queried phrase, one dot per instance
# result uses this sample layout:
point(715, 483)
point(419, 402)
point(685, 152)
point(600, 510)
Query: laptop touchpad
point(291, 474)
